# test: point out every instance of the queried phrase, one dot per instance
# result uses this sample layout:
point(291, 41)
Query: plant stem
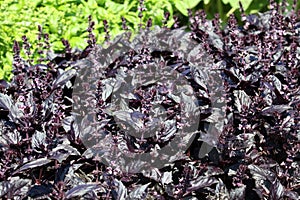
point(220, 9)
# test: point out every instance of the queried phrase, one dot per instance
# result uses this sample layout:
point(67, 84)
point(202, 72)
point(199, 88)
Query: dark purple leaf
point(7, 103)
point(277, 190)
point(81, 190)
point(201, 182)
point(260, 173)
point(291, 195)
point(221, 190)
point(139, 192)
point(63, 78)
point(38, 141)
point(15, 188)
point(166, 178)
point(33, 164)
point(270, 110)
point(120, 192)
point(63, 151)
point(238, 193)
point(10, 137)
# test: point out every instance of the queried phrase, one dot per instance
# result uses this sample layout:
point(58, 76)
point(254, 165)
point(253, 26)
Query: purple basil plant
point(94, 124)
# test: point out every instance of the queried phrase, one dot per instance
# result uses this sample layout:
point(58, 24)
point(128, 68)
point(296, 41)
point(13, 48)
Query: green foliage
point(68, 19)
point(183, 5)
point(226, 7)
point(235, 4)
point(156, 9)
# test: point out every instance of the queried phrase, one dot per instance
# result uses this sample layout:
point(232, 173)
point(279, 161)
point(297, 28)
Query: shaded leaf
point(201, 182)
point(33, 164)
point(39, 190)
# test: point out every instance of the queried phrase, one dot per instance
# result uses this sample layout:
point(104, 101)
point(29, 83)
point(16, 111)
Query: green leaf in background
point(7, 68)
point(257, 5)
point(183, 5)
point(1, 74)
point(57, 46)
point(235, 5)
point(114, 7)
point(100, 2)
point(128, 5)
point(78, 42)
point(156, 10)
point(290, 2)
point(130, 17)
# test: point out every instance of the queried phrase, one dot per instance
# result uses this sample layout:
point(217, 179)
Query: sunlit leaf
point(81, 190)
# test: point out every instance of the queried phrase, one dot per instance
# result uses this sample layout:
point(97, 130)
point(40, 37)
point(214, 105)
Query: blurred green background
point(68, 19)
